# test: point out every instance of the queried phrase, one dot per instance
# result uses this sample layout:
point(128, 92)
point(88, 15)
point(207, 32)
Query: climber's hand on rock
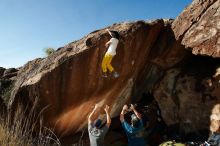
point(106, 45)
point(132, 107)
point(125, 107)
point(107, 30)
point(106, 109)
point(96, 107)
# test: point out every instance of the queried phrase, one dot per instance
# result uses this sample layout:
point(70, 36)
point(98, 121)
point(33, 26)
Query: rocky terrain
point(177, 60)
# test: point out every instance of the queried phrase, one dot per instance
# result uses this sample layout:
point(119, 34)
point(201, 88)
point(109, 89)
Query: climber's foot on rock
point(115, 74)
point(104, 75)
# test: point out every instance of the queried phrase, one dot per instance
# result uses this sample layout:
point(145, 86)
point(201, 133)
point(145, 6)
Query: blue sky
point(29, 26)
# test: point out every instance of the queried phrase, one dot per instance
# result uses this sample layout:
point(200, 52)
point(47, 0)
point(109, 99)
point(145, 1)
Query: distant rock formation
point(154, 56)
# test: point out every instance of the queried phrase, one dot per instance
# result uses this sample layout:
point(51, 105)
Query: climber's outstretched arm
point(107, 116)
point(108, 30)
point(125, 107)
point(91, 114)
point(136, 112)
point(108, 43)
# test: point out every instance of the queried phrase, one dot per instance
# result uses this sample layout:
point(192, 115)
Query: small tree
point(49, 51)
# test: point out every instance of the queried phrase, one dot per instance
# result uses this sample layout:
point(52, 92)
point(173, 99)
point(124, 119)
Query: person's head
point(215, 119)
point(114, 34)
point(134, 121)
point(98, 123)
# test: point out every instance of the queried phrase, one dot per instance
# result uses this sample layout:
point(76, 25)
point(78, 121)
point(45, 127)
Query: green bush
point(49, 51)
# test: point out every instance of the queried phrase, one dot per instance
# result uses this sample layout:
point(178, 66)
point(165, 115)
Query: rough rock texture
point(188, 93)
point(7, 77)
point(2, 71)
point(11, 72)
point(198, 27)
point(69, 82)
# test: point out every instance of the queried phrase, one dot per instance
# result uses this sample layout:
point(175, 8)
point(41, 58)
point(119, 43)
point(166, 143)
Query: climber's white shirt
point(112, 48)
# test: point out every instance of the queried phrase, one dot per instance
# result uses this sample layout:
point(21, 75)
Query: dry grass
point(19, 129)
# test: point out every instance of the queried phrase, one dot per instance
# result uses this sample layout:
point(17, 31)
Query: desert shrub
point(49, 51)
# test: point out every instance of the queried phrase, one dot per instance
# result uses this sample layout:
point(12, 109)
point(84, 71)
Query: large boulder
point(198, 27)
point(188, 92)
point(69, 82)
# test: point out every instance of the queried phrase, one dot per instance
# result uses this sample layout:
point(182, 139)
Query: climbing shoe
point(115, 74)
point(104, 75)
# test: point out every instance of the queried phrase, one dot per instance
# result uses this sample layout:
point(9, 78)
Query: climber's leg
point(104, 64)
point(109, 66)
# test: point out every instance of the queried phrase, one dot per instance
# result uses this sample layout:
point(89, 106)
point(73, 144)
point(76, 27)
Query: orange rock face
point(69, 82)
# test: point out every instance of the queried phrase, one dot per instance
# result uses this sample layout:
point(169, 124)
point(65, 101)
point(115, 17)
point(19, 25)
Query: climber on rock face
point(135, 131)
point(96, 131)
point(111, 52)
